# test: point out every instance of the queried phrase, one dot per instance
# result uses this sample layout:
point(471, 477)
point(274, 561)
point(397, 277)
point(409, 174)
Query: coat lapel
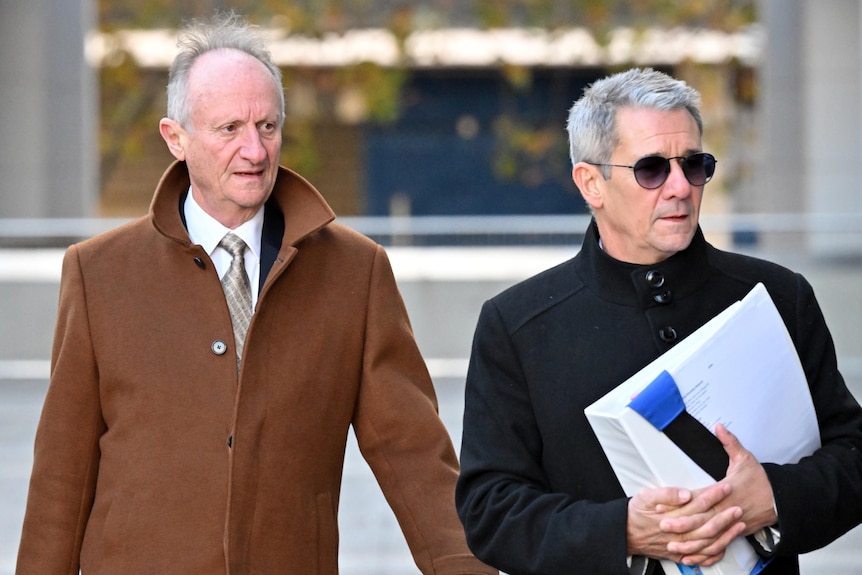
point(270, 241)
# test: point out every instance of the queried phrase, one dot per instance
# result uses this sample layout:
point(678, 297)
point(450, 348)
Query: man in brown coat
point(163, 449)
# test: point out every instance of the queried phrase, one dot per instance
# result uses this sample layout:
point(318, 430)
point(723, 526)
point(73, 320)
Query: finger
point(713, 551)
point(691, 515)
point(712, 537)
point(664, 497)
point(730, 442)
point(700, 560)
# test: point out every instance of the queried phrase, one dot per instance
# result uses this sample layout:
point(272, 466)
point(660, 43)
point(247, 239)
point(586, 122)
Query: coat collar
point(643, 285)
point(303, 208)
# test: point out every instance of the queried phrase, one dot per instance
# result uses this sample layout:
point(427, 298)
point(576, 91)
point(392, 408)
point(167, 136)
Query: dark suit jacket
point(536, 492)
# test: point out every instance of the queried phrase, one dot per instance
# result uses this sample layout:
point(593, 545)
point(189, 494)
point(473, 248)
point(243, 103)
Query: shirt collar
point(208, 232)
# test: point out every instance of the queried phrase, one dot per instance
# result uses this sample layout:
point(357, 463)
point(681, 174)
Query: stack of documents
point(739, 369)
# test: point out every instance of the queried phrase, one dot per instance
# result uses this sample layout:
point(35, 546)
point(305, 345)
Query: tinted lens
point(652, 171)
point(698, 168)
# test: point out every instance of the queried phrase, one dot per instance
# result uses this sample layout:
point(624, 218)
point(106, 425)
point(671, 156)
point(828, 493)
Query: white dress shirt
point(207, 232)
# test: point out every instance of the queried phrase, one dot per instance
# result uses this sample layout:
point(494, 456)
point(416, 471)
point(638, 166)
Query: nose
point(252, 148)
point(676, 184)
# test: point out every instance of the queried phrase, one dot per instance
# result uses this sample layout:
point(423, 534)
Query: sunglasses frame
point(634, 168)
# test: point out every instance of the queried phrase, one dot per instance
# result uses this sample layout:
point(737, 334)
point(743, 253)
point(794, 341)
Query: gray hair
point(592, 126)
point(226, 31)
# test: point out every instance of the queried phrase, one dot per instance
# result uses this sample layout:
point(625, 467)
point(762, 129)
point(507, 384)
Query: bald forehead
point(225, 63)
point(226, 83)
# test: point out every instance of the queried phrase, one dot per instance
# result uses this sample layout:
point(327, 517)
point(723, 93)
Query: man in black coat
point(536, 492)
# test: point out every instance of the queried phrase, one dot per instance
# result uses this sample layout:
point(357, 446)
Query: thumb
point(730, 442)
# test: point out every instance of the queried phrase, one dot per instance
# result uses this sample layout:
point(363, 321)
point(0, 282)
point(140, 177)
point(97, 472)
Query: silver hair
point(592, 125)
point(226, 32)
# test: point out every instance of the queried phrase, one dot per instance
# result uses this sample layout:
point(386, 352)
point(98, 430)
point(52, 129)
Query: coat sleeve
point(820, 498)
point(66, 454)
point(513, 517)
point(402, 437)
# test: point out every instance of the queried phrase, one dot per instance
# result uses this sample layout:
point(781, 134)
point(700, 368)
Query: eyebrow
point(686, 153)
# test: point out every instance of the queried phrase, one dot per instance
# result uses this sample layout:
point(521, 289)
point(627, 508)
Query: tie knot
point(233, 244)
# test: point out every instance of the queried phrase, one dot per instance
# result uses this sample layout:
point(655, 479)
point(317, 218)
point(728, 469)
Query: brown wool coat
point(133, 471)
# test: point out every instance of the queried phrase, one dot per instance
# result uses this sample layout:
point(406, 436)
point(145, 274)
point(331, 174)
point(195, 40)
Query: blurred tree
point(601, 15)
point(524, 149)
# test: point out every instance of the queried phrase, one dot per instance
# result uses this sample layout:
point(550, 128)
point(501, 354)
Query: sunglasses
point(652, 171)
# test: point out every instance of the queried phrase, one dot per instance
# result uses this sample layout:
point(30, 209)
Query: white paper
point(740, 369)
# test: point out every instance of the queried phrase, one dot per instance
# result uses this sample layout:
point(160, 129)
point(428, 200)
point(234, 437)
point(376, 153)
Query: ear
point(590, 182)
point(173, 134)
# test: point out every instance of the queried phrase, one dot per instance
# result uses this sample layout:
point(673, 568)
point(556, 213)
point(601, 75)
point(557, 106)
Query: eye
point(229, 128)
point(268, 127)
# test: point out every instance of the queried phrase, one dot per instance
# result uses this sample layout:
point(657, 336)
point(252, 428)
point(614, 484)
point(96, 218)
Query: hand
point(748, 490)
point(750, 487)
point(686, 527)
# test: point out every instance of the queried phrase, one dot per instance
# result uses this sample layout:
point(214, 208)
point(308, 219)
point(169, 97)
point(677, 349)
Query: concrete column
point(780, 174)
point(48, 110)
point(811, 123)
point(833, 124)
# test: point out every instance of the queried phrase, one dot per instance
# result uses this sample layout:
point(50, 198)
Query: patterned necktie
point(237, 290)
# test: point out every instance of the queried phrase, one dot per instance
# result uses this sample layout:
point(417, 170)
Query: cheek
point(274, 148)
point(204, 155)
point(637, 209)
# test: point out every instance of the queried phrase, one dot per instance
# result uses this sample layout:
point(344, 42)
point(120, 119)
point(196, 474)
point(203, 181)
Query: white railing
point(464, 230)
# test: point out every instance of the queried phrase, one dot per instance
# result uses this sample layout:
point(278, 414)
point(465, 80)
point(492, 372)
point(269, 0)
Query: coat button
point(654, 279)
point(219, 347)
point(667, 334)
point(663, 297)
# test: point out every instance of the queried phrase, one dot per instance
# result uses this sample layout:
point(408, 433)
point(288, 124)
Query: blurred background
point(437, 128)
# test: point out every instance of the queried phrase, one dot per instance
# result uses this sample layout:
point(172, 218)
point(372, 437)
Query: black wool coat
point(536, 493)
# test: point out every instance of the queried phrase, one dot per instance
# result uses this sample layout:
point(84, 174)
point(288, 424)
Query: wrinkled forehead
point(655, 130)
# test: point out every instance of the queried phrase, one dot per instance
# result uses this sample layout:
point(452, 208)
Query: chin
point(252, 198)
point(679, 244)
point(672, 243)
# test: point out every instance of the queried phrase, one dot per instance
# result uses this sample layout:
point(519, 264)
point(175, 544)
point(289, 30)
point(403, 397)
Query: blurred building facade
point(794, 147)
point(48, 110)
point(809, 160)
point(470, 121)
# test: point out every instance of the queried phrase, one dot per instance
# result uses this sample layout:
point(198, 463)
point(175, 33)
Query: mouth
point(676, 220)
point(250, 174)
